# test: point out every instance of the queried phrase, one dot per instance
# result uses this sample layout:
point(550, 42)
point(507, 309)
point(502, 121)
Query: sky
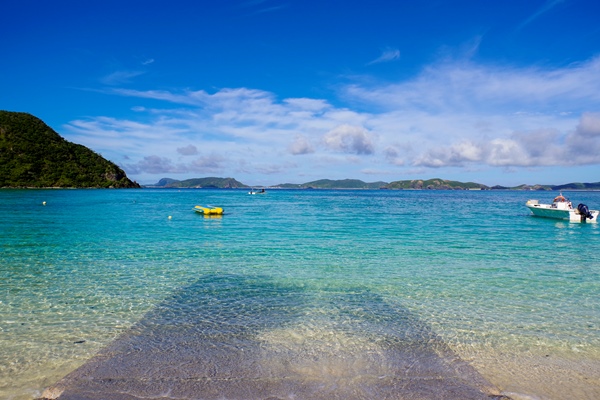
point(291, 91)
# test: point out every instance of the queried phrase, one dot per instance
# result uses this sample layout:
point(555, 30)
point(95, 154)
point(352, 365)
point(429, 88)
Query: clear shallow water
point(506, 291)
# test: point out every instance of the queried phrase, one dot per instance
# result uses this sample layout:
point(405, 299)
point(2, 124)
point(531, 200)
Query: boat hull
point(572, 215)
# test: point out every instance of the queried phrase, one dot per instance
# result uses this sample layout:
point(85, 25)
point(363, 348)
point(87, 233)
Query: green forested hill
point(34, 155)
point(206, 183)
point(335, 184)
point(578, 186)
point(435, 184)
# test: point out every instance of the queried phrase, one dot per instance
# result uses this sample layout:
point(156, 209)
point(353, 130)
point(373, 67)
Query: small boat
point(561, 208)
point(210, 210)
point(261, 191)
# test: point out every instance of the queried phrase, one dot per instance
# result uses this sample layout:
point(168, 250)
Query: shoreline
point(516, 376)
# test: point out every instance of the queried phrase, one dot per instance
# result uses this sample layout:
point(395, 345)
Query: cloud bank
point(454, 114)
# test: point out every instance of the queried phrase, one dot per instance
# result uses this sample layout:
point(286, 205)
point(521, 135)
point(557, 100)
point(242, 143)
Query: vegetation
point(33, 155)
point(165, 182)
point(527, 187)
point(567, 186)
point(205, 183)
point(334, 184)
point(578, 186)
point(415, 184)
point(435, 184)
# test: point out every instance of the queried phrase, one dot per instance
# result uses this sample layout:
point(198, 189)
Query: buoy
point(169, 217)
point(43, 203)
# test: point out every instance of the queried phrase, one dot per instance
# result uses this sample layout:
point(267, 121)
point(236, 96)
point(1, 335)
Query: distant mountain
point(204, 183)
point(415, 184)
point(567, 186)
point(438, 184)
point(34, 155)
point(525, 187)
point(164, 182)
point(578, 186)
point(334, 184)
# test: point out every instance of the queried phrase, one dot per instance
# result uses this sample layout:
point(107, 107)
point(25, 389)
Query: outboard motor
point(584, 211)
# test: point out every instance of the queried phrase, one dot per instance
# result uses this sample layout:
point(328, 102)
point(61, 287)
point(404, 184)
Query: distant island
point(32, 155)
point(415, 184)
point(436, 184)
point(334, 184)
point(199, 183)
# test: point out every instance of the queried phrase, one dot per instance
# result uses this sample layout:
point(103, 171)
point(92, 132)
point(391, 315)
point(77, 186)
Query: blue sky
point(270, 91)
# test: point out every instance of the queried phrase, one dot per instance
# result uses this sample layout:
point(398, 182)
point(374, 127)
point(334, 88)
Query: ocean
point(330, 276)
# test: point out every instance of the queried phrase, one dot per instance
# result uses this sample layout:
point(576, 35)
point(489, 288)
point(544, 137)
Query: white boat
point(561, 208)
point(261, 191)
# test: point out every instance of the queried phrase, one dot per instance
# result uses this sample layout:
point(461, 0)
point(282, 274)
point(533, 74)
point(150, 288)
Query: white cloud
point(506, 152)
point(349, 139)
point(120, 77)
point(209, 163)
point(583, 145)
point(301, 145)
point(153, 165)
point(257, 6)
point(589, 126)
point(454, 155)
point(546, 7)
point(464, 86)
point(386, 56)
point(189, 150)
point(452, 114)
point(542, 147)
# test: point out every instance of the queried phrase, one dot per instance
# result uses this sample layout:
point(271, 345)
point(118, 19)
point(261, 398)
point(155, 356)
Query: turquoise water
point(508, 292)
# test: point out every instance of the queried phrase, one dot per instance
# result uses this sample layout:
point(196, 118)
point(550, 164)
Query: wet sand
point(535, 377)
point(236, 337)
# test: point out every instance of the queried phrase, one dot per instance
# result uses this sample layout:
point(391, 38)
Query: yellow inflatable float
point(210, 210)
